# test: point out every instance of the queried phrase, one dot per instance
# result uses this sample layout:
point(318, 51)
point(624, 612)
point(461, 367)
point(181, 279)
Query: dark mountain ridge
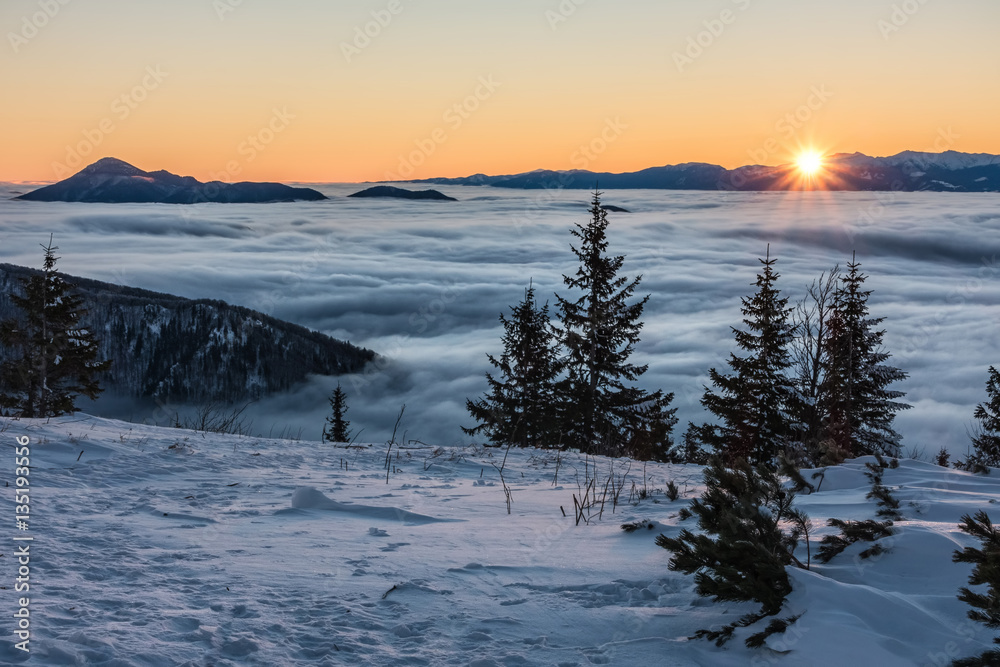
point(194, 351)
point(908, 171)
point(112, 181)
point(400, 193)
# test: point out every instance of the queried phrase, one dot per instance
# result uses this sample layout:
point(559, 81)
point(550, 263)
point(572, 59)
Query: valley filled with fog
point(422, 284)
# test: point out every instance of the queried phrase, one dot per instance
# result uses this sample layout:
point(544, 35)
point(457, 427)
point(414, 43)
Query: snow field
point(169, 547)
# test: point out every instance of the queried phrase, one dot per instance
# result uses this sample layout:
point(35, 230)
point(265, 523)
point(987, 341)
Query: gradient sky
point(607, 77)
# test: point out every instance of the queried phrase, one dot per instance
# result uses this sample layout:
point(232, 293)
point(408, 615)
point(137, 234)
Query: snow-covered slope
point(170, 547)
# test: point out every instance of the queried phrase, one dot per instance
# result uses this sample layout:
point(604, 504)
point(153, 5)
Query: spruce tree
point(857, 403)
point(757, 400)
point(519, 408)
point(750, 530)
point(598, 331)
point(986, 437)
point(336, 429)
point(985, 606)
point(52, 357)
point(689, 450)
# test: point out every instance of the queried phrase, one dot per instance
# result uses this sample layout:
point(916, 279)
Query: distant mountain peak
point(114, 181)
point(112, 166)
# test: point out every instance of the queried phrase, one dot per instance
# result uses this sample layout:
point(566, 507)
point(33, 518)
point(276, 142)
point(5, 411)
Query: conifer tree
point(750, 530)
point(756, 402)
point(985, 606)
point(986, 437)
point(519, 406)
point(869, 530)
point(689, 450)
point(598, 331)
point(857, 404)
point(337, 428)
point(52, 357)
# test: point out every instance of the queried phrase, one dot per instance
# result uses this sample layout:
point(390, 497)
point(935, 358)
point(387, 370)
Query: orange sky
point(266, 90)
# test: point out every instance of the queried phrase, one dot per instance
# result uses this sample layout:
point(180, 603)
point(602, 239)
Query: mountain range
point(908, 171)
point(112, 181)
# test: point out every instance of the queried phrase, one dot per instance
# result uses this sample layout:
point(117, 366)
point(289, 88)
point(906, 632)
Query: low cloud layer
point(424, 282)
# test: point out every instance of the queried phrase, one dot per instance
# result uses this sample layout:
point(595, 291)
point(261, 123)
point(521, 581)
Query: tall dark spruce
point(519, 409)
point(337, 429)
point(857, 403)
point(598, 330)
point(51, 357)
point(755, 403)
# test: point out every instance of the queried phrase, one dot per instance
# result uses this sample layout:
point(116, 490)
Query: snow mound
point(308, 498)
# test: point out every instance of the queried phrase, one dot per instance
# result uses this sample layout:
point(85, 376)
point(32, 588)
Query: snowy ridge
point(952, 160)
point(160, 546)
point(963, 172)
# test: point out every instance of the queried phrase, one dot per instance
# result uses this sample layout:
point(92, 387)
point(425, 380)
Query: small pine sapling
point(749, 533)
point(887, 503)
point(943, 458)
point(868, 530)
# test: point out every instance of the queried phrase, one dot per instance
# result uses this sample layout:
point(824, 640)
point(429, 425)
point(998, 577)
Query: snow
point(160, 546)
point(952, 160)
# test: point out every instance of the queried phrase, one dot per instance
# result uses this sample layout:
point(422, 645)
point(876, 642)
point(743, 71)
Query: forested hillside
point(184, 350)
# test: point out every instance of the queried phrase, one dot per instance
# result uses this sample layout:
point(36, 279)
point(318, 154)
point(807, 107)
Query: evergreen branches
point(986, 572)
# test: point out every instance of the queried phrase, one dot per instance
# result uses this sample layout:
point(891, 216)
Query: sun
point(809, 163)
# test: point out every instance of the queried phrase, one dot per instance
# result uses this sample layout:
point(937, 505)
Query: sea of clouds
point(423, 283)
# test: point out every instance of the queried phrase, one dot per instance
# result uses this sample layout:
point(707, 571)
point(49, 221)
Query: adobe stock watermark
point(223, 7)
point(364, 34)
point(255, 144)
point(987, 271)
point(22, 554)
point(307, 265)
point(951, 651)
point(790, 124)
point(420, 320)
point(582, 158)
point(121, 108)
point(870, 215)
point(453, 117)
point(786, 129)
point(609, 134)
point(31, 25)
point(562, 12)
point(899, 17)
point(714, 28)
